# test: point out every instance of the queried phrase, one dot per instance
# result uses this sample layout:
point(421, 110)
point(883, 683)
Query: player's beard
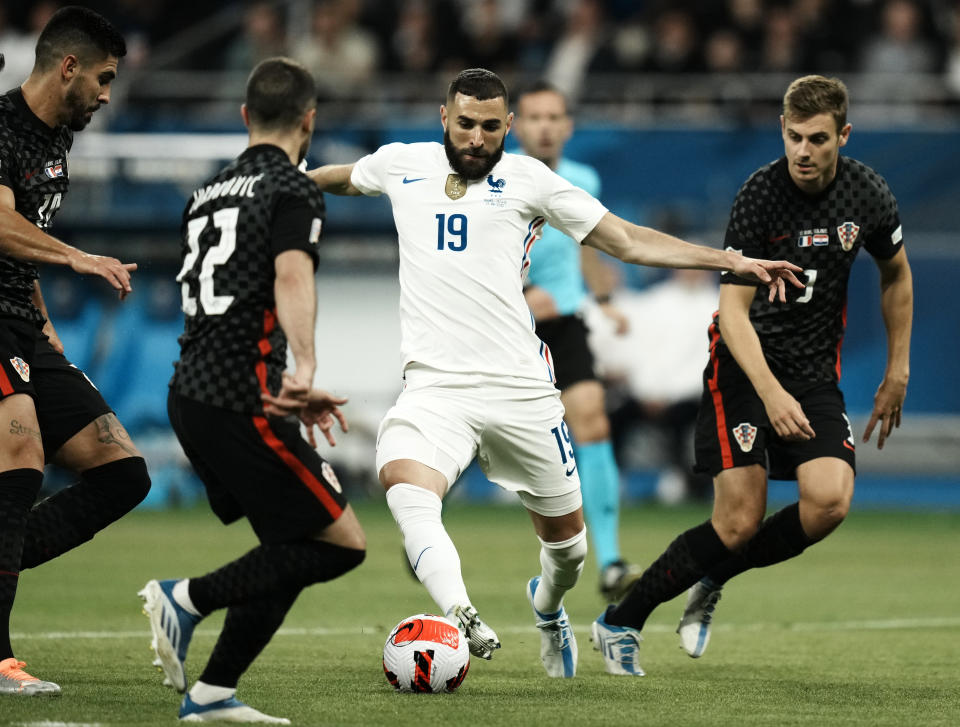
point(471, 169)
point(77, 111)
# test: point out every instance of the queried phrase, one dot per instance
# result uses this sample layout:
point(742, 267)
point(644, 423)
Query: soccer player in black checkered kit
point(249, 250)
point(49, 410)
point(771, 404)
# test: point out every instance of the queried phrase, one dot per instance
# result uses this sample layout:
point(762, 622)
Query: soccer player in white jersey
point(477, 380)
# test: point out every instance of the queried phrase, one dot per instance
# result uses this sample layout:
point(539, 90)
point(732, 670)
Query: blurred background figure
point(653, 376)
point(340, 54)
point(262, 36)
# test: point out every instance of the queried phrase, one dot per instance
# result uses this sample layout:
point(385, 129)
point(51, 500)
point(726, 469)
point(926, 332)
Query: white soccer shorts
point(514, 427)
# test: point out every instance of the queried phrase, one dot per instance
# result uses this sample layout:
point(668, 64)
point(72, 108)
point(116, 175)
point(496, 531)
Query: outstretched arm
point(296, 295)
point(785, 414)
point(21, 239)
point(645, 246)
point(896, 303)
point(335, 179)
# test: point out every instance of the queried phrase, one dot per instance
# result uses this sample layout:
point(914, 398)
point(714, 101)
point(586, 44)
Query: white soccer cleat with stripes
point(694, 628)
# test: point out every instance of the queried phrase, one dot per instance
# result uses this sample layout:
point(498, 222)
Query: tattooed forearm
point(110, 431)
point(22, 431)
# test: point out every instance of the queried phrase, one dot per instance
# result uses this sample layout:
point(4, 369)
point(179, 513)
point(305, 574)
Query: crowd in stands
point(350, 43)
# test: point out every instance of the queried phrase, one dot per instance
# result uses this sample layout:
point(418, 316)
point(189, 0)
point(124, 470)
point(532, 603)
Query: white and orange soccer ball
point(426, 653)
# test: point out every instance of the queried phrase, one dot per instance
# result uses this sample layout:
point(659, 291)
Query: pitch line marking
point(864, 625)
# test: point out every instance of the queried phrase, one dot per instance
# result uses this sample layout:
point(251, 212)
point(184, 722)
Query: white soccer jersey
point(463, 251)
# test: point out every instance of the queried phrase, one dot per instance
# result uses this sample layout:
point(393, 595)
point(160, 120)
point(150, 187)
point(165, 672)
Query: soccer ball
point(426, 653)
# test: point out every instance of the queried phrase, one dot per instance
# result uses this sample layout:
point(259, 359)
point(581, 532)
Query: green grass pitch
point(863, 629)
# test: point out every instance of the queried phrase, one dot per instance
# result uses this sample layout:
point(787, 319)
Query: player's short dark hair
point(542, 86)
point(81, 32)
point(812, 95)
point(479, 83)
point(279, 92)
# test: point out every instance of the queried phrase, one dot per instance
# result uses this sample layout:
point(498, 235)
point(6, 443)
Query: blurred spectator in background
point(19, 48)
point(900, 47)
point(417, 42)
point(490, 43)
point(262, 36)
point(783, 50)
point(581, 48)
point(339, 53)
point(654, 374)
point(676, 47)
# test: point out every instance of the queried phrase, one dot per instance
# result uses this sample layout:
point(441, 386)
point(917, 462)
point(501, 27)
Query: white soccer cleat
point(225, 710)
point(172, 628)
point(558, 645)
point(620, 646)
point(481, 638)
point(694, 628)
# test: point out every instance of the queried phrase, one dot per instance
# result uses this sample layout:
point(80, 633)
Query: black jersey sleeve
point(9, 163)
point(886, 239)
point(295, 226)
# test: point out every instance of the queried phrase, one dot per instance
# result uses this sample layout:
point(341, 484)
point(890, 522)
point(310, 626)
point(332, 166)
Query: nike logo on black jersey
point(28, 175)
point(410, 181)
point(777, 238)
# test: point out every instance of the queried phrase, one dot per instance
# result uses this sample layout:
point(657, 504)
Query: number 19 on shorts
point(562, 435)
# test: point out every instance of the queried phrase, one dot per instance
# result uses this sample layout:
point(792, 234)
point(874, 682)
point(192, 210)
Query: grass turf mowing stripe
point(867, 625)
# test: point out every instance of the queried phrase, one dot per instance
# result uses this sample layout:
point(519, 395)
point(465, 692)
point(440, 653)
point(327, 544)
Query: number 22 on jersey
point(225, 221)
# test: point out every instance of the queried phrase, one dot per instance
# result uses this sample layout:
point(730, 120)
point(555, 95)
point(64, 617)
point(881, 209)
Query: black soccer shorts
point(65, 399)
point(733, 429)
point(259, 468)
point(572, 359)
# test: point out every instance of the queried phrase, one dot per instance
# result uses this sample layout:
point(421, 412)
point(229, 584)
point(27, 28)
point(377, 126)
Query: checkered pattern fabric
point(772, 218)
point(234, 226)
point(33, 163)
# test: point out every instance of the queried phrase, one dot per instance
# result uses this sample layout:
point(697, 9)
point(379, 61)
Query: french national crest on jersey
point(496, 185)
point(847, 232)
point(745, 434)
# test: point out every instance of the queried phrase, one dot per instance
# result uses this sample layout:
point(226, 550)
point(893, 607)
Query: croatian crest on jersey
point(330, 476)
point(22, 368)
point(847, 232)
point(745, 434)
point(456, 186)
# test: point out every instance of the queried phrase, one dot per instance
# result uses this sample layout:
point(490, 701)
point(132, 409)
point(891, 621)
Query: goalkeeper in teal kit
point(556, 291)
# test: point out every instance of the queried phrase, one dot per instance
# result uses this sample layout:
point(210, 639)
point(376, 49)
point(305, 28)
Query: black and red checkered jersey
point(235, 224)
point(33, 164)
point(772, 218)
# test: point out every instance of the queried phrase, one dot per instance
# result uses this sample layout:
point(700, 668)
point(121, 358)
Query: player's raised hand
point(772, 273)
point(321, 411)
point(109, 268)
point(787, 417)
point(887, 410)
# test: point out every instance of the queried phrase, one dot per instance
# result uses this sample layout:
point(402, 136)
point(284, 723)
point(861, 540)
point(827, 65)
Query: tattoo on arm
point(111, 431)
point(21, 431)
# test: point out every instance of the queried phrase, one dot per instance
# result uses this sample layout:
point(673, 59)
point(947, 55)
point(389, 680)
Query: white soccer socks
point(562, 564)
point(430, 551)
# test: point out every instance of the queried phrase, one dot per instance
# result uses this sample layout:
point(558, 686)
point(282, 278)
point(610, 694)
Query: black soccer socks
point(18, 490)
point(778, 538)
point(269, 569)
point(75, 514)
point(683, 563)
